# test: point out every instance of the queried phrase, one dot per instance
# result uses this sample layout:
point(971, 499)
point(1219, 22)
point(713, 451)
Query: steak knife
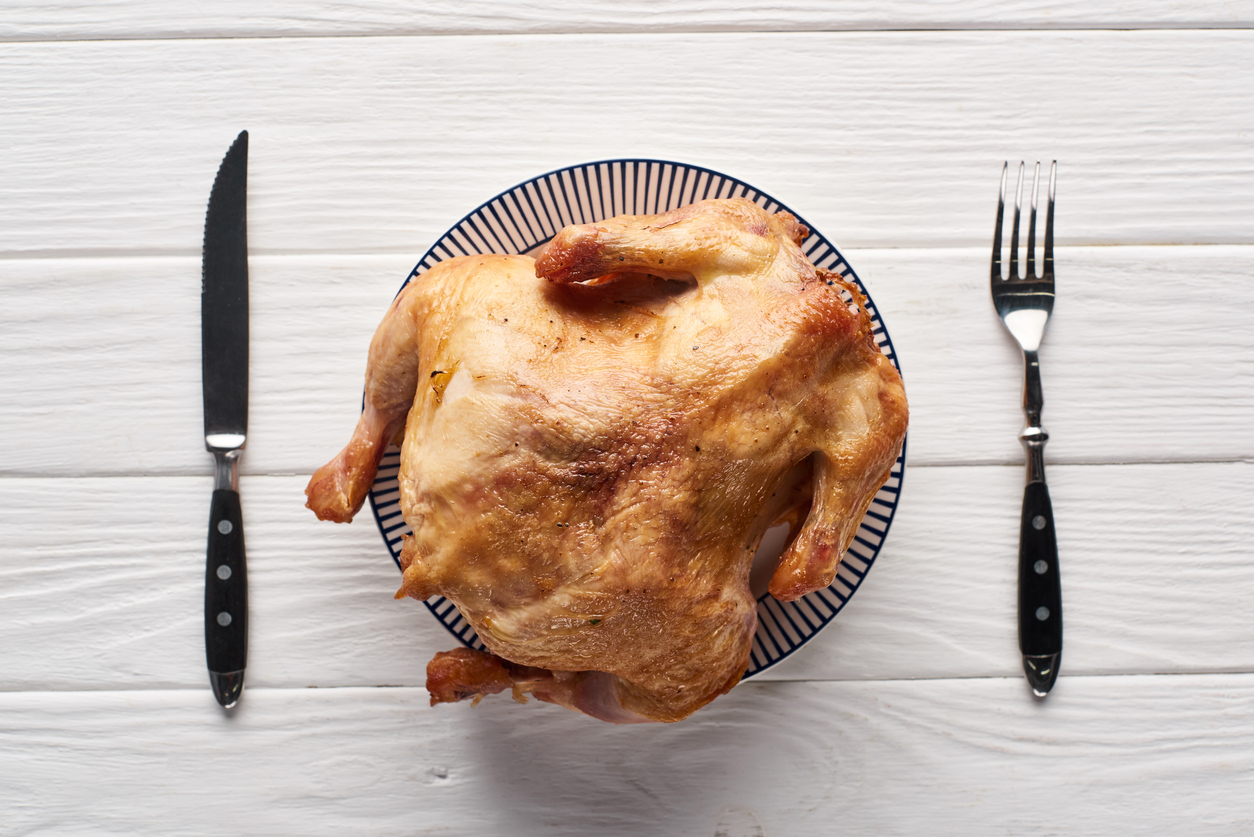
point(224, 373)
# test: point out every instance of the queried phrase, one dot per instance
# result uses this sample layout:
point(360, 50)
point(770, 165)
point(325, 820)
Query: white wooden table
point(373, 128)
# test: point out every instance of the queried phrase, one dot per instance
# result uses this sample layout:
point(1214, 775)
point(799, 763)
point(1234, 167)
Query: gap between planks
point(886, 28)
point(781, 682)
point(101, 254)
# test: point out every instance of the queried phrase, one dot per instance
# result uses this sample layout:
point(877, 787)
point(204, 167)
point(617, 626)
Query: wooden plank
point(378, 145)
point(111, 575)
point(1103, 755)
point(1145, 358)
point(287, 18)
point(1121, 379)
point(103, 583)
point(119, 390)
point(1154, 572)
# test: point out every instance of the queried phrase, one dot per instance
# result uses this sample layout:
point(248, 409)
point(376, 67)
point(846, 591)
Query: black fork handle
point(1040, 589)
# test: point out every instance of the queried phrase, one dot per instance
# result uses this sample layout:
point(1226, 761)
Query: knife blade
point(224, 375)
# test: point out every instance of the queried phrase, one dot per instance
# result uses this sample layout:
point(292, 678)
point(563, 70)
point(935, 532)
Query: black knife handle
point(226, 586)
point(1040, 590)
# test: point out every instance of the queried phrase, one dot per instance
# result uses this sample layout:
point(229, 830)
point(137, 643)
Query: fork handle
point(1040, 590)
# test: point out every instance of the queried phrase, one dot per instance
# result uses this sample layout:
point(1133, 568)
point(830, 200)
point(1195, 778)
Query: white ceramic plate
point(525, 217)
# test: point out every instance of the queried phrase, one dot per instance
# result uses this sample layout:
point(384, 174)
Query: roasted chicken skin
point(594, 443)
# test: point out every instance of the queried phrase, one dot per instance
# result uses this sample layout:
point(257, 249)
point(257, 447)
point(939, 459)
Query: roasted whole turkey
point(594, 442)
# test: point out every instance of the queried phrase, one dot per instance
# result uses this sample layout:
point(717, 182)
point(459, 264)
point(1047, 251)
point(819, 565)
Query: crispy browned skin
point(588, 468)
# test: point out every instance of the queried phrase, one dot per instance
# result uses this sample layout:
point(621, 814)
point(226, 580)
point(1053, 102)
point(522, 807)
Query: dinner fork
point(1024, 305)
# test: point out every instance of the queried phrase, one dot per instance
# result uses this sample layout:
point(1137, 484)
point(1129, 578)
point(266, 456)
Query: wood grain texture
point(377, 145)
point(102, 585)
point(287, 18)
point(1103, 755)
point(1146, 358)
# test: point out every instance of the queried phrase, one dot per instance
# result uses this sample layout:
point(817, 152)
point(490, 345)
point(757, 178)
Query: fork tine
point(1049, 224)
point(1014, 230)
point(1030, 268)
point(1001, 207)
